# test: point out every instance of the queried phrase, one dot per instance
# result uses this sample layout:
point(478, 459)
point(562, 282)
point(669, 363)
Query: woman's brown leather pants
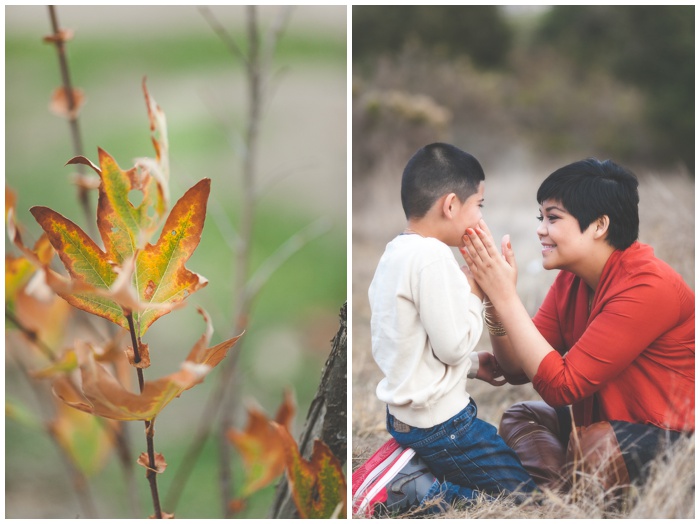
point(532, 429)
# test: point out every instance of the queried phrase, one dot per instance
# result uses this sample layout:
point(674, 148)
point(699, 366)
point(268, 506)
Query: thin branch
point(72, 114)
point(254, 78)
point(151, 473)
point(243, 290)
point(135, 344)
point(220, 30)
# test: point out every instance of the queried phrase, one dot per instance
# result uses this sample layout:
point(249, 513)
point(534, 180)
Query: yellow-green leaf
point(161, 276)
point(318, 485)
point(85, 261)
point(125, 227)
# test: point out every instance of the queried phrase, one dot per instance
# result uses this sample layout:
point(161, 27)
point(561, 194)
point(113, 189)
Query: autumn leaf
point(60, 105)
point(103, 395)
point(18, 271)
point(159, 462)
point(28, 299)
point(260, 446)
point(318, 485)
point(160, 279)
point(123, 225)
point(64, 364)
point(159, 168)
point(161, 276)
point(86, 264)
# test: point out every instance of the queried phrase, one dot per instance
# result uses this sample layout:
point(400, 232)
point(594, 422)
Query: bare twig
point(255, 61)
point(59, 42)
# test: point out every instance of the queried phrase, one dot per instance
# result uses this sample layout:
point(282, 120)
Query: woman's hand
point(496, 273)
point(489, 370)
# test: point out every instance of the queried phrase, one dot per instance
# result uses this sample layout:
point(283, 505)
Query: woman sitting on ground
point(614, 338)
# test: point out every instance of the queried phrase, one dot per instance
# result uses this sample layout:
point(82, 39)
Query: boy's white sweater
point(425, 325)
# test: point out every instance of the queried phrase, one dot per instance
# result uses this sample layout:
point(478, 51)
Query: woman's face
point(563, 244)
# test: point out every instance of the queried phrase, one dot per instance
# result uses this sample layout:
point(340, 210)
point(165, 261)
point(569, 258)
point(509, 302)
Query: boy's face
point(467, 214)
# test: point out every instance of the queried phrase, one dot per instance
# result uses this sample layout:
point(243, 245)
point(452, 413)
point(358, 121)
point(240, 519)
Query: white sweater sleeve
point(449, 311)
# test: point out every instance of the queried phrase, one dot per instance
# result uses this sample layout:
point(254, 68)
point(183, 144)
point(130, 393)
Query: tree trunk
point(326, 419)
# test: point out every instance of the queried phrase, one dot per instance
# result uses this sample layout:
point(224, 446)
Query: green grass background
point(200, 86)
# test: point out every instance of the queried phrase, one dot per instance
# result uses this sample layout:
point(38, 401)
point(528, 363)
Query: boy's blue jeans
point(466, 455)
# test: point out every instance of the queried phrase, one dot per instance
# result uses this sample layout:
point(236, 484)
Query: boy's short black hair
point(589, 189)
point(436, 170)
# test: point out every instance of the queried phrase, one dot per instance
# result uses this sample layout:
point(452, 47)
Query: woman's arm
point(497, 275)
point(502, 348)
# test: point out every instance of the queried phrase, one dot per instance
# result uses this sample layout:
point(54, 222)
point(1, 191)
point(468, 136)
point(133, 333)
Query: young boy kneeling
point(426, 321)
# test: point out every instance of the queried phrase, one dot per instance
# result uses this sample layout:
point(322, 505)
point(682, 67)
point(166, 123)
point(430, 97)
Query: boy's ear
point(448, 205)
point(601, 226)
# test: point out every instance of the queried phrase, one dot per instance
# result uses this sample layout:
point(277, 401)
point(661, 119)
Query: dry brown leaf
point(60, 105)
point(160, 463)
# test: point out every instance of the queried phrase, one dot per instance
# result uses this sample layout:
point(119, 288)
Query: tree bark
point(326, 419)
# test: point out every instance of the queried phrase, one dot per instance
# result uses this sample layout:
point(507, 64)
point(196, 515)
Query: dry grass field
point(512, 178)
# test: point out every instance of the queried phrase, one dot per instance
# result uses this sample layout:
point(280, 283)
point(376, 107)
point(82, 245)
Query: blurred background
point(526, 89)
point(200, 86)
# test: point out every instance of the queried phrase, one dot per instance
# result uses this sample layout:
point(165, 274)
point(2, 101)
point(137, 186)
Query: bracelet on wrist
point(495, 327)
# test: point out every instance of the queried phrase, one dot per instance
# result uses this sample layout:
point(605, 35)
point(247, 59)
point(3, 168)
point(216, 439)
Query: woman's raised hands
point(496, 273)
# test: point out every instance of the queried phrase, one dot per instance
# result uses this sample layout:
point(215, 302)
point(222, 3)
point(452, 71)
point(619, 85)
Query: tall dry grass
point(406, 105)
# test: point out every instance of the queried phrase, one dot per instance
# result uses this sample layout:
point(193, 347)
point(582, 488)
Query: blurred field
point(200, 86)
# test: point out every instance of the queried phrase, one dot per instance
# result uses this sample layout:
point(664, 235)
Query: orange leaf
point(260, 446)
point(318, 485)
point(160, 267)
point(150, 283)
point(160, 463)
point(144, 356)
point(60, 105)
point(63, 35)
point(131, 206)
point(160, 167)
point(103, 395)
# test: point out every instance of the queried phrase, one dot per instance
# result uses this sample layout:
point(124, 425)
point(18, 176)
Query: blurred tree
point(650, 46)
point(478, 31)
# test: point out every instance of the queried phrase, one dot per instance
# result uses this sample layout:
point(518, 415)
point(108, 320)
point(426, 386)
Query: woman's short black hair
point(436, 170)
point(591, 188)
